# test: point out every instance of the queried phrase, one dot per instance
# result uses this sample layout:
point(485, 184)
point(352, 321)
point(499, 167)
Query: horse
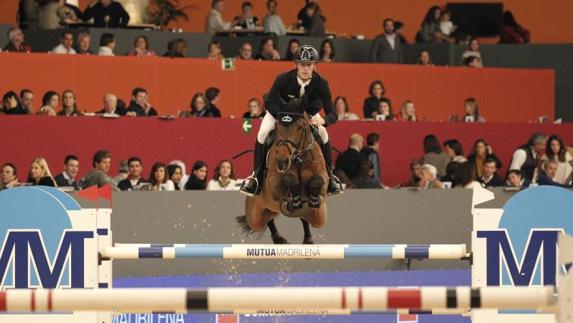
point(295, 180)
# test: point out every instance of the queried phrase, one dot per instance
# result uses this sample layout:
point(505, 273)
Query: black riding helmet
point(306, 53)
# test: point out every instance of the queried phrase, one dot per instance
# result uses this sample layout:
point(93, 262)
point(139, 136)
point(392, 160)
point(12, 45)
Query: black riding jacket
point(316, 96)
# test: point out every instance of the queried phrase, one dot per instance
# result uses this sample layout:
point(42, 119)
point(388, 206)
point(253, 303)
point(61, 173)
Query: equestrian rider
point(303, 84)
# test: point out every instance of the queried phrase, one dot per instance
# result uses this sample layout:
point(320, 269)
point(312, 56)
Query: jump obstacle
point(99, 297)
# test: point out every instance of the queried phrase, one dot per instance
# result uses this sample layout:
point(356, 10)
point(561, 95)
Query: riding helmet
point(306, 53)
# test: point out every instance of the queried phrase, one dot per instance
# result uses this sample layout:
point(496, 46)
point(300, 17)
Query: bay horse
point(295, 180)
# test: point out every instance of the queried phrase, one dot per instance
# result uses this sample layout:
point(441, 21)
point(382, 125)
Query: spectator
point(312, 20)
point(428, 177)
point(214, 50)
point(140, 105)
point(245, 52)
point(98, 175)
point(8, 177)
point(455, 150)
point(548, 172)
point(84, 44)
point(465, 176)
point(478, 155)
point(198, 178)
point(52, 14)
point(27, 17)
point(372, 103)
point(303, 18)
point(224, 178)
point(66, 44)
point(434, 155)
point(556, 151)
point(327, 52)
point(69, 105)
point(122, 173)
point(141, 47)
point(292, 48)
point(158, 178)
point(348, 162)
point(27, 99)
point(255, 110)
point(200, 107)
point(106, 14)
point(16, 42)
point(268, 51)
point(430, 27)
point(107, 45)
point(450, 176)
point(516, 180)
point(50, 103)
point(343, 110)
point(398, 28)
point(527, 157)
point(447, 27)
point(472, 111)
point(40, 173)
point(111, 106)
point(184, 176)
point(72, 13)
point(247, 20)
point(473, 50)
point(176, 48)
point(175, 174)
point(67, 178)
point(424, 58)
point(512, 32)
point(212, 95)
point(371, 152)
point(384, 112)
point(134, 181)
point(214, 21)
point(408, 111)
point(415, 173)
point(273, 23)
point(11, 104)
point(386, 47)
point(472, 61)
point(364, 179)
point(490, 177)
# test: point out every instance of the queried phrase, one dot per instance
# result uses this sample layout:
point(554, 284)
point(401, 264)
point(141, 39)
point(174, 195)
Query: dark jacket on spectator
point(63, 182)
point(495, 181)
point(365, 181)
point(371, 105)
point(195, 183)
point(17, 110)
point(373, 156)
point(382, 52)
point(22, 49)
point(215, 112)
point(118, 17)
point(349, 163)
point(125, 185)
point(514, 35)
point(544, 179)
point(254, 20)
point(45, 181)
point(528, 167)
point(139, 111)
point(317, 95)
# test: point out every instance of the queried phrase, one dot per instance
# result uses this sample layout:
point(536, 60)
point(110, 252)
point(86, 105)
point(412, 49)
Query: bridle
point(296, 151)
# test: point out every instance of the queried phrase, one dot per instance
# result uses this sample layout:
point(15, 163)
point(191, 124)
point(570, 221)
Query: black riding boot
point(334, 184)
point(252, 185)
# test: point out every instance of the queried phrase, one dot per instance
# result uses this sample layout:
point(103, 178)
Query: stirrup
point(244, 190)
point(337, 182)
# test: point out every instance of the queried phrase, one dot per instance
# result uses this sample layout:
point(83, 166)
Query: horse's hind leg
point(275, 235)
point(315, 186)
point(307, 233)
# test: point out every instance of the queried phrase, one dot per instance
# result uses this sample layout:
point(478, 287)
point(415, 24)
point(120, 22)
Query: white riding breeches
point(268, 125)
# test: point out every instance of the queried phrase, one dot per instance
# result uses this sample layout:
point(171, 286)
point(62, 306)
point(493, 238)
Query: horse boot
point(334, 184)
point(252, 185)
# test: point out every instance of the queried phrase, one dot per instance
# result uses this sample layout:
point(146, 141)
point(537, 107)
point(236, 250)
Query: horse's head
point(293, 133)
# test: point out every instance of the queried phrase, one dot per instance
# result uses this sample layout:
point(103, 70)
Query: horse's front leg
point(315, 186)
point(294, 189)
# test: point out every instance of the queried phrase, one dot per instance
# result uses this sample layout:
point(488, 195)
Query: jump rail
point(261, 251)
point(228, 300)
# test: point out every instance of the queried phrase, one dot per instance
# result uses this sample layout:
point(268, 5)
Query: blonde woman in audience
point(40, 173)
point(224, 178)
point(472, 111)
point(69, 105)
point(343, 110)
point(408, 111)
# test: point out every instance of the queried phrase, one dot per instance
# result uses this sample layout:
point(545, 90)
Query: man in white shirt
point(66, 43)
point(214, 21)
point(107, 45)
point(134, 179)
point(525, 158)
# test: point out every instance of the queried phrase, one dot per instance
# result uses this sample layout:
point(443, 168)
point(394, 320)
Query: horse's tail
point(242, 223)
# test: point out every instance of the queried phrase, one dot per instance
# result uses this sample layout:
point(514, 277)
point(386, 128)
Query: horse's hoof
point(279, 240)
point(308, 240)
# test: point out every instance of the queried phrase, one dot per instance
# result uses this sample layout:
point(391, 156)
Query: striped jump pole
point(228, 300)
point(261, 251)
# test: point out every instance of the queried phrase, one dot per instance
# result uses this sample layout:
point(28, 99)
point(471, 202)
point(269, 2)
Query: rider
point(305, 84)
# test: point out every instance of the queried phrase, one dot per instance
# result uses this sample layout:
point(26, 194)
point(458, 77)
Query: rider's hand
point(317, 120)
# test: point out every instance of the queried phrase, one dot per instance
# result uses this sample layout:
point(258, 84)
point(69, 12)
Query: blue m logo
point(24, 248)
point(541, 248)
